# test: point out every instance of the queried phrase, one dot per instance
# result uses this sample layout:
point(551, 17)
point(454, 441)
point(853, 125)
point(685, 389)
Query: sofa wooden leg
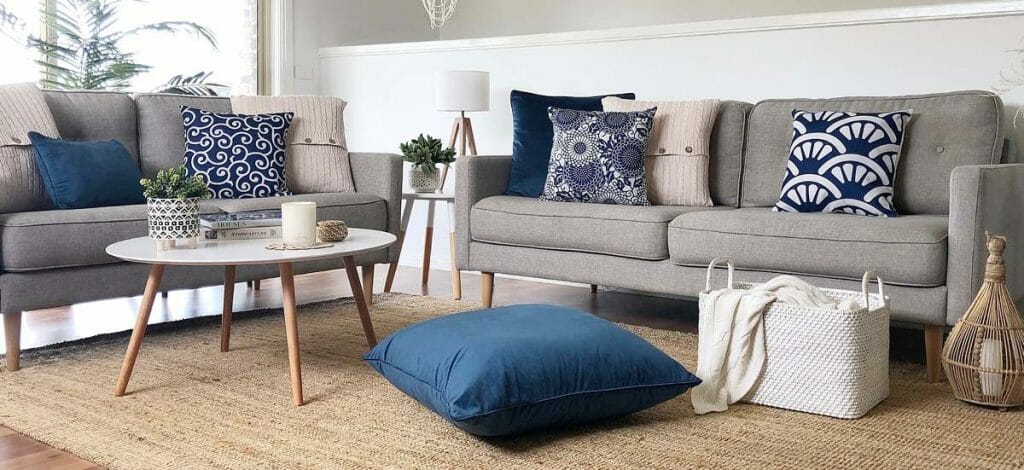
point(593, 288)
point(933, 351)
point(12, 335)
point(256, 284)
point(486, 289)
point(368, 283)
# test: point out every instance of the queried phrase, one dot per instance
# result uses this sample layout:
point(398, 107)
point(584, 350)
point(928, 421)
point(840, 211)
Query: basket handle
point(864, 287)
point(711, 268)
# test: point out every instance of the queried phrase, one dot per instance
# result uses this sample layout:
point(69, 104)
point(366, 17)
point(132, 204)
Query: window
point(184, 46)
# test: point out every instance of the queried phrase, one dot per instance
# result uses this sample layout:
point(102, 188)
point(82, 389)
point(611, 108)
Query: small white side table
point(431, 199)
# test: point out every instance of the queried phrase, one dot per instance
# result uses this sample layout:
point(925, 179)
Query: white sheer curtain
point(18, 19)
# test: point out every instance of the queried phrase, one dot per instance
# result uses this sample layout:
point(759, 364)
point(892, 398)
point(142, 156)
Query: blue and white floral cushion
point(843, 162)
point(238, 155)
point(598, 157)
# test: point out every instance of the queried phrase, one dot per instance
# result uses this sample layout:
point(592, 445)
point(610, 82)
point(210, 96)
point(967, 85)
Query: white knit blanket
point(731, 344)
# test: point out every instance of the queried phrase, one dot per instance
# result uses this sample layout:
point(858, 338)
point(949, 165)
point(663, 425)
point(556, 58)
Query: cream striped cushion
point(677, 149)
point(22, 109)
point(316, 157)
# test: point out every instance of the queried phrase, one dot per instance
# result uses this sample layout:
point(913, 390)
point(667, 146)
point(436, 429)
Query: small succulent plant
point(174, 183)
point(426, 152)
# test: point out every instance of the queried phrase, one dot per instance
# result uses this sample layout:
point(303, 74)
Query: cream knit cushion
point(316, 157)
point(22, 109)
point(677, 149)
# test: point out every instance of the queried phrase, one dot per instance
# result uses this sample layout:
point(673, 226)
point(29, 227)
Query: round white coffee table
point(241, 252)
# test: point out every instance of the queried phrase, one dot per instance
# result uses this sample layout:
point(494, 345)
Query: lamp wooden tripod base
point(462, 134)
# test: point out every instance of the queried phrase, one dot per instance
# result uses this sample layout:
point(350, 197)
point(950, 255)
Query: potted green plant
point(425, 153)
point(172, 198)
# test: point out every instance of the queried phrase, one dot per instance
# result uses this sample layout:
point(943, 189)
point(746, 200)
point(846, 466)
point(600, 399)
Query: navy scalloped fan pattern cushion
point(843, 162)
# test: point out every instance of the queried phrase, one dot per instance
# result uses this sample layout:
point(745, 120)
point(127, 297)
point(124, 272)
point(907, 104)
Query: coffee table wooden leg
point(357, 293)
point(368, 283)
point(226, 312)
point(393, 268)
point(156, 273)
point(291, 327)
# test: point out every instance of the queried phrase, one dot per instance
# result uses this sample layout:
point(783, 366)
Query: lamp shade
point(462, 90)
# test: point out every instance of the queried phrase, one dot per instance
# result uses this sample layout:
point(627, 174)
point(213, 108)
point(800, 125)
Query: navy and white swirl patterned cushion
point(238, 155)
point(843, 162)
point(598, 157)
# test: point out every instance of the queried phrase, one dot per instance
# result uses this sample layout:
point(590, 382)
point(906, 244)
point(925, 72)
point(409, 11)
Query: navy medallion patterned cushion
point(239, 155)
point(843, 162)
point(598, 157)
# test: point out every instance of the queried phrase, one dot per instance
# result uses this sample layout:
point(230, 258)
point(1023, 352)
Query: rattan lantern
point(984, 354)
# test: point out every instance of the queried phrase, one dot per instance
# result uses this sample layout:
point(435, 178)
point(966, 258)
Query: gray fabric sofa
point(57, 257)
point(951, 186)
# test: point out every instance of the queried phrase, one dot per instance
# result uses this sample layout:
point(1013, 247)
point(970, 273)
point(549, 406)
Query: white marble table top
point(239, 252)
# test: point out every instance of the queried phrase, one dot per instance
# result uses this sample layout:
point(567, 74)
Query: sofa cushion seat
point(627, 231)
point(356, 209)
point(38, 240)
point(907, 250)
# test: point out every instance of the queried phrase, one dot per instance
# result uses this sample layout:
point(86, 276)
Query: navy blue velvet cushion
point(79, 175)
point(533, 136)
point(514, 369)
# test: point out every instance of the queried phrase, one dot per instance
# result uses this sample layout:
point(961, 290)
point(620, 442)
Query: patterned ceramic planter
point(171, 220)
point(421, 182)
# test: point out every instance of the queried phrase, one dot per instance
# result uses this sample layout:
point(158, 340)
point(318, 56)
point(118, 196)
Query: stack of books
point(241, 225)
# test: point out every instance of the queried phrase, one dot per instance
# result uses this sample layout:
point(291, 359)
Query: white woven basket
point(822, 361)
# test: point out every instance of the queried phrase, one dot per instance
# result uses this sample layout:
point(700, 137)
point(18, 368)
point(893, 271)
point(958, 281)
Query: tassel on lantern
point(984, 354)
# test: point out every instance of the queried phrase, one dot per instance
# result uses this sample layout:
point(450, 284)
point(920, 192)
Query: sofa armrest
point(983, 197)
point(477, 178)
point(380, 174)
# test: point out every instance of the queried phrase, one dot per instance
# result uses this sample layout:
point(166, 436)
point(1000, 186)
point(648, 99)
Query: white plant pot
point(171, 220)
point(421, 182)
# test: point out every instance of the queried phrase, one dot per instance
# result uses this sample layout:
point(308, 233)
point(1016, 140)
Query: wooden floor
point(51, 326)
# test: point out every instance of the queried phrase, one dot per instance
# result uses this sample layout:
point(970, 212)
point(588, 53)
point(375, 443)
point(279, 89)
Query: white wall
point(877, 52)
point(324, 23)
point(487, 18)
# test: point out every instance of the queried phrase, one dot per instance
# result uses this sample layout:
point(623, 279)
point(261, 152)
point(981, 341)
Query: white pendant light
point(439, 11)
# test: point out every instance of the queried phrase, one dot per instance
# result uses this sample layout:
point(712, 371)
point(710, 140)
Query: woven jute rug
point(190, 406)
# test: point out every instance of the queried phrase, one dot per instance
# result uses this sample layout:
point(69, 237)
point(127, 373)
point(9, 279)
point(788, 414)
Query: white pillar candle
point(991, 358)
point(298, 223)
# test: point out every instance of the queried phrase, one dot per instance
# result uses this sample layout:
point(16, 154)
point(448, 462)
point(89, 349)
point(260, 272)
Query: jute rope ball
point(331, 230)
point(984, 354)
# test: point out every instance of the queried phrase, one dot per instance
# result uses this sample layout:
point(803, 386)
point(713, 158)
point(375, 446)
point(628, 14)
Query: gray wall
point(325, 23)
point(484, 18)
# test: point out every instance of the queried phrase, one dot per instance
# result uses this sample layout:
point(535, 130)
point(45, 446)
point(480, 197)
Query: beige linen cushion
point(316, 157)
point(677, 150)
point(23, 109)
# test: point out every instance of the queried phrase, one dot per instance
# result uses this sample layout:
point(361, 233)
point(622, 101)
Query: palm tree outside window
point(198, 47)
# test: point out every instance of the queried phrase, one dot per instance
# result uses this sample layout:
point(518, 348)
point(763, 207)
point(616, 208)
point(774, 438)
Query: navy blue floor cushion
point(514, 369)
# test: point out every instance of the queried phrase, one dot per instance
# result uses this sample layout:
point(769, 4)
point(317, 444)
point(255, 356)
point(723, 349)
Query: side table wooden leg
point(357, 293)
point(291, 327)
point(456, 275)
point(393, 267)
point(227, 310)
point(428, 241)
point(156, 273)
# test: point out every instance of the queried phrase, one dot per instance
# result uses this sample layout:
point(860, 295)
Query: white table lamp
point(462, 91)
